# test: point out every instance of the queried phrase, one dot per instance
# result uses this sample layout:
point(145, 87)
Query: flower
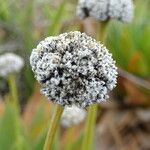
point(72, 116)
point(105, 9)
point(73, 69)
point(10, 63)
point(121, 10)
point(93, 8)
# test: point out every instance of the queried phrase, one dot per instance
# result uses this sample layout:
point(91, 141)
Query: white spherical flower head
point(105, 9)
point(72, 116)
point(121, 10)
point(93, 8)
point(10, 63)
point(74, 69)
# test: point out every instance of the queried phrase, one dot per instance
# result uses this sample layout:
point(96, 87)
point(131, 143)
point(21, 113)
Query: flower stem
point(13, 90)
point(56, 145)
point(88, 136)
point(89, 128)
point(54, 122)
point(69, 138)
point(102, 30)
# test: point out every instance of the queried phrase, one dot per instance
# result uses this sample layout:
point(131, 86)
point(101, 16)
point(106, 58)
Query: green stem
point(13, 90)
point(54, 122)
point(69, 138)
point(56, 145)
point(89, 128)
point(102, 30)
point(15, 102)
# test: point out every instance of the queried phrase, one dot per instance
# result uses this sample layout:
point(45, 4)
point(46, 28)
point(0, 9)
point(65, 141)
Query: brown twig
point(137, 80)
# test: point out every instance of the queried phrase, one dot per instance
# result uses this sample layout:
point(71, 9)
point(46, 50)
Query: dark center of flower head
point(86, 11)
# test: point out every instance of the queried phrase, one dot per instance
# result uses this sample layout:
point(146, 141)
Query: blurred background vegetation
point(123, 122)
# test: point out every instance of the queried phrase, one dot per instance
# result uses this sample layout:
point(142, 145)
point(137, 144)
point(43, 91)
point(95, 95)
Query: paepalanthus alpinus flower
point(74, 69)
point(72, 116)
point(10, 63)
point(102, 10)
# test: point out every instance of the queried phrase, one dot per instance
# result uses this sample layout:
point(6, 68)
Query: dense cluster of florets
point(72, 116)
point(74, 69)
point(10, 63)
point(105, 9)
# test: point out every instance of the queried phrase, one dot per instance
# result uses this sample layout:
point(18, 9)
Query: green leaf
point(11, 134)
point(53, 29)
